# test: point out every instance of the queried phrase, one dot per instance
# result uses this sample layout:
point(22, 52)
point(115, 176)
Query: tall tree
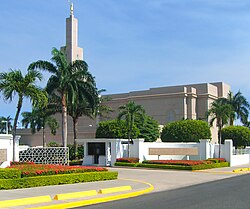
point(14, 82)
point(220, 113)
point(5, 125)
point(239, 105)
point(38, 119)
point(83, 102)
point(66, 77)
point(129, 112)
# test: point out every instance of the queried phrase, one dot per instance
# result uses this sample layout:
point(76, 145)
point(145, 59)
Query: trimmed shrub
point(44, 170)
point(239, 134)
point(216, 160)
point(75, 162)
point(115, 129)
point(209, 166)
point(56, 180)
point(79, 153)
point(53, 144)
point(186, 131)
point(178, 162)
point(128, 160)
point(164, 166)
point(125, 164)
point(9, 173)
point(182, 167)
point(22, 163)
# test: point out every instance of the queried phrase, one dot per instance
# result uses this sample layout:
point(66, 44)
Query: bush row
point(128, 160)
point(45, 169)
point(10, 173)
point(177, 167)
point(56, 180)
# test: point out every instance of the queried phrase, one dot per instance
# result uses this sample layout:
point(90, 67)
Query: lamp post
point(5, 121)
point(98, 111)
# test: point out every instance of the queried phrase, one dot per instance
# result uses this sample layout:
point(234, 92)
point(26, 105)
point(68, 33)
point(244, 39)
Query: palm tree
point(129, 112)
point(5, 124)
point(66, 77)
point(221, 113)
point(13, 83)
point(38, 119)
point(240, 107)
point(82, 103)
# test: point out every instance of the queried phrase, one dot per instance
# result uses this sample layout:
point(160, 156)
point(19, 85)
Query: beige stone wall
point(3, 155)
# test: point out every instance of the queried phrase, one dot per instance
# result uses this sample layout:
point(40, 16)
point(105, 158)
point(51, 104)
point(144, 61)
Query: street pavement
point(162, 180)
point(229, 193)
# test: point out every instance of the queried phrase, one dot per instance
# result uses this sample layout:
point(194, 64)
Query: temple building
point(164, 104)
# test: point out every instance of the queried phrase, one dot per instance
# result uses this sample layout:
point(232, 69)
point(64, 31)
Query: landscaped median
point(175, 164)
point(33, 175)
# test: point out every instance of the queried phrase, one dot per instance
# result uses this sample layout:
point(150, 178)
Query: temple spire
point(72, 50)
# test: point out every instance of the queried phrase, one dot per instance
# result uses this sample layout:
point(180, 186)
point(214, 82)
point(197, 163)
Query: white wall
point(6, 142)
point(140, 149)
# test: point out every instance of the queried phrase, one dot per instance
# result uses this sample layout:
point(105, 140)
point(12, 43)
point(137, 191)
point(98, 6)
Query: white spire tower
point(72, 51)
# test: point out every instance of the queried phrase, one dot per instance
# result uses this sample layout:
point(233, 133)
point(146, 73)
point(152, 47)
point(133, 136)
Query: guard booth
point(101, 152)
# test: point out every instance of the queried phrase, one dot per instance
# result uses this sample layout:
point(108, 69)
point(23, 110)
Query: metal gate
point(45, 155)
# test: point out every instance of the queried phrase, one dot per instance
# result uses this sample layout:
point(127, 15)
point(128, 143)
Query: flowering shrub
point(21, 163)
point(217, 160)
point(128, 160)
point(28, 170)
point(178, 162)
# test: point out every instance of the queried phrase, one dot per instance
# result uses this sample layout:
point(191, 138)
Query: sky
point(133, 45)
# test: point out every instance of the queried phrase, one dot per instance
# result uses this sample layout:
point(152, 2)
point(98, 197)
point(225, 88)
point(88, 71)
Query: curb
point(99, 200)
point(215, 172)
point(241, 170)
point(115, 189)
point(25, 201)
point(73, 195)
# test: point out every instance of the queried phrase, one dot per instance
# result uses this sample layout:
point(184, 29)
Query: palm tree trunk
point(64, 120)
point(231, 121)
point(75, 124)
point(19, 106)
point(220, 140)
point(43, 136)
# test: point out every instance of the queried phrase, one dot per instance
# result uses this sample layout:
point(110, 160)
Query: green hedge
point(56, 180)
point(125, 164)
point(164, 166)
point(239, 134)
point(177, 167)
point(208, 166)
point(186, 131)
point(9, 173)
point(116, 129)
point(75, 162)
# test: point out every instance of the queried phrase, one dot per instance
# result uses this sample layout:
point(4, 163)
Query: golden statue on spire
point(71, 7)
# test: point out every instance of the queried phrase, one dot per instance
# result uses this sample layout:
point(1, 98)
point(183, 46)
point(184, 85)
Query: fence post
point(204, 149)
point(228, 150)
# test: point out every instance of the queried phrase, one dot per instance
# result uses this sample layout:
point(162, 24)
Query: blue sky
point(134, 44)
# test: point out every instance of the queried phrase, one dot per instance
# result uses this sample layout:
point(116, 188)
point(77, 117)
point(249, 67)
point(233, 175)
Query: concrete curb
point(241, 170)
point(215, 172)
point(73, 195)
point(101, 199)
point(25, 201)
point(115, 189)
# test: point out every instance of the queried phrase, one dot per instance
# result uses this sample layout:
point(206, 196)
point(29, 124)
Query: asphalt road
point(230, 193)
